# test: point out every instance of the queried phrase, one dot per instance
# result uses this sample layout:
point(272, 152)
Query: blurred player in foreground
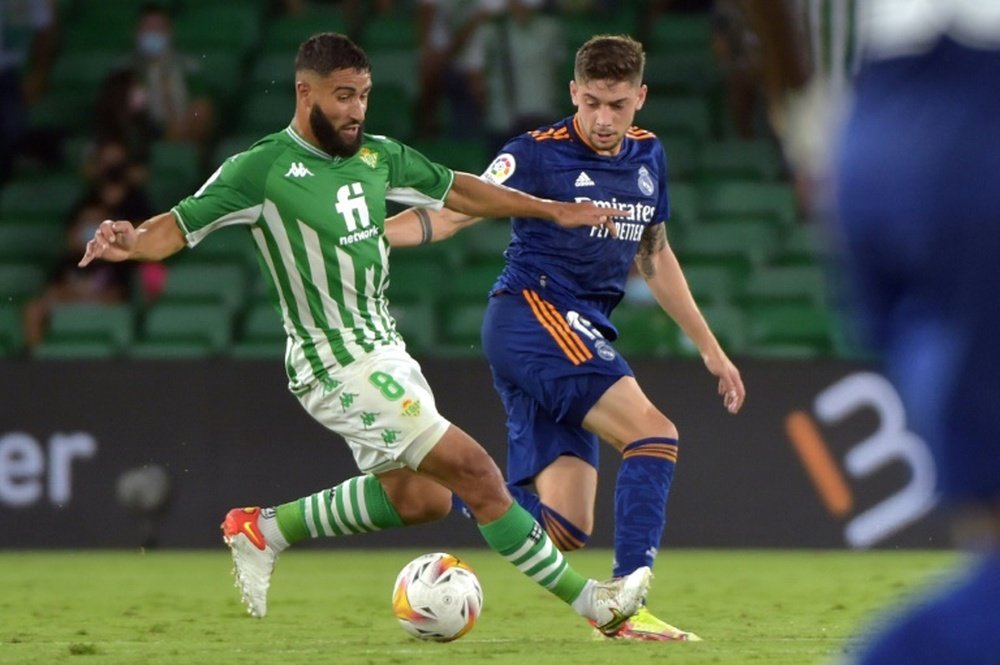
point(918, 203)
point(547, 333)
point(313, 198)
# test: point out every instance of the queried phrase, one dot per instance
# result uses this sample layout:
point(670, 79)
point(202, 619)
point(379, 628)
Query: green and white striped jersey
point(318, 223)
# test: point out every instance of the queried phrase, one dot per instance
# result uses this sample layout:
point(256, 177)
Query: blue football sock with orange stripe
point(641, 489)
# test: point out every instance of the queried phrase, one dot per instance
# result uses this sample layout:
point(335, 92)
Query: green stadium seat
point(261, 334)
point(682, 155)
point(800, 285)
point(739, 245)
point(684, 73)
point(804, 244)
point(225, 247)
point(234, 27)
point(11, 326)
point(390, 113)
point(396, 67)
point(472, 283)
point(739, 199)
point(231, 145)
point(790, 330)
point(579, 27)
point(739, 160)
point(285, 33)
point(221, 70)
point(57, 110)
point(108, 26)
point(460, 155)
point(684, 202)
point(222, 286)
point(47, 198)
point(414, 278)
point(680, 33)
point(87, 330)
point(176, 330)
point(643, 331)
point(391, 32)
point(461, 326)
point(710, 284)
point(728, 323)
point(39, 242)
point(177, 160)
point(83, 73)
point(417, 323)
point(266, 112)
point(20, 281)
point(274, 71)
point(486, 241)
point(671, 114)
point(168, 190)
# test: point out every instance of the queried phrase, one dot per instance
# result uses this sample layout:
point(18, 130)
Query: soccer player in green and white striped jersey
point(313, 197)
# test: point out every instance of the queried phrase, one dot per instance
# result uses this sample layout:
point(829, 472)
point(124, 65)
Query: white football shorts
point(383, 407)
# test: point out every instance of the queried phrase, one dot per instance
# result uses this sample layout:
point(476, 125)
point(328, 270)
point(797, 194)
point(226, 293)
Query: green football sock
point(358, 505)
point(517, 537)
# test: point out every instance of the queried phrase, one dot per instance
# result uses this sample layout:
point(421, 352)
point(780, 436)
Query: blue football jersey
point(583, 268)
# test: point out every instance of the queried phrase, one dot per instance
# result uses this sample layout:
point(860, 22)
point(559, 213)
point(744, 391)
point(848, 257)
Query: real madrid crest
point(646, 185)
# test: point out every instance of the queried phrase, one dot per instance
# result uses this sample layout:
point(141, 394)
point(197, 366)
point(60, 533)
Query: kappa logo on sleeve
point(502, 168)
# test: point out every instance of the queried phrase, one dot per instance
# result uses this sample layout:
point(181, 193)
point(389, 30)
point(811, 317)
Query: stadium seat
point(466, 155)
point(46, 198)
point(789, 330)
point(804, 244)
point(225, 247)
point(643, 331)
point(274, 71)
point(87, 330)
point(682, 154)
point(461, 326)
point(284, 33)
point(739, 245)
point(83, 73)
point(391, 32)
point(20, 281)
point(39, 241)
point(266, 112)
point(684, 202)
point(58, 110)
point(261, 334)
point(801, 285)
point(11, 326)
point(395, 67)
point(176, 330)
point(390, 113)
point(223, 286)
point(177, 160)
point(671, 114)
point(472, 283)
point(683, 73)
point(221, 70)
point(413, 278)
point(738, 199)
point(710, 284)
point(417, 323)
point(485, 242)
point(230, 145)
point(234, 27)
point(680, 33)
point(579, 27)
point(739, 160)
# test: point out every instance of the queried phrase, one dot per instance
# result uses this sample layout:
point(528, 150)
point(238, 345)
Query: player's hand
point(585, 213)
point(112, 241)
point(730, 384)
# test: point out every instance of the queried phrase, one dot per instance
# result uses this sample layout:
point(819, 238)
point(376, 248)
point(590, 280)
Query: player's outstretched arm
point(419, 226)
point(476, 197)
point(155, 239)
point(662, 271)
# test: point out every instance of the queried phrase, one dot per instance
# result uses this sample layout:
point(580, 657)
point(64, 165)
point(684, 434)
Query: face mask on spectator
point(153, 43)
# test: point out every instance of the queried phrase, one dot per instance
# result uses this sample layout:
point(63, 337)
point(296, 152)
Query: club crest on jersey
point(411, 407)
point(369, 157)
point(646, 185)
point(604, 350)
point(502, 168)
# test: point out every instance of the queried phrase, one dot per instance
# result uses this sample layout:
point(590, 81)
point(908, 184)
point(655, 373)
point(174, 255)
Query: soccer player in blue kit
point(918, 205)
point(547, 331)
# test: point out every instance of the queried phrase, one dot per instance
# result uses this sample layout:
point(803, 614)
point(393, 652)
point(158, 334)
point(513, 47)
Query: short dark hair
point(610, 57)
point(328, 51)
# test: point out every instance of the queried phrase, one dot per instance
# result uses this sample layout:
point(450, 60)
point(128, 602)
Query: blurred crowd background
point(117, 109)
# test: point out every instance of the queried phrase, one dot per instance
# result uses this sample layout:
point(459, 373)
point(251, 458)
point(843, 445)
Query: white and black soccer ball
point(437, 597)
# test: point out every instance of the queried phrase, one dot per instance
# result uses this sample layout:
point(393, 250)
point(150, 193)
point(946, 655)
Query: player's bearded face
point(605, 111)
point(332, 138)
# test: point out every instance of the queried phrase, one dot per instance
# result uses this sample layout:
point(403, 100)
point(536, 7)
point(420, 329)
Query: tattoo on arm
point(426, 230)
point(654, 239)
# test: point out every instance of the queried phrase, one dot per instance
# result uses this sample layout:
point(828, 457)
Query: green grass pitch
point(327, 606)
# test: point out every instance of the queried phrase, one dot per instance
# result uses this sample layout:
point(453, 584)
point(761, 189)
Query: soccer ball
point(437, 597)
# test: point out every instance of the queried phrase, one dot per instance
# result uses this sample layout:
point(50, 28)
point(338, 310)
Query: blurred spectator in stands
point(122, 115)
point(117, 182)
point(175, 106)
point(451, 64)
point(524, 51)
point(27, 48)
point(737, 52)
point(108, 282)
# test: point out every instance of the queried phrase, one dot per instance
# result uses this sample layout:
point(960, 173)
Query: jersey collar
point(577, 132)
point(309, 147)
